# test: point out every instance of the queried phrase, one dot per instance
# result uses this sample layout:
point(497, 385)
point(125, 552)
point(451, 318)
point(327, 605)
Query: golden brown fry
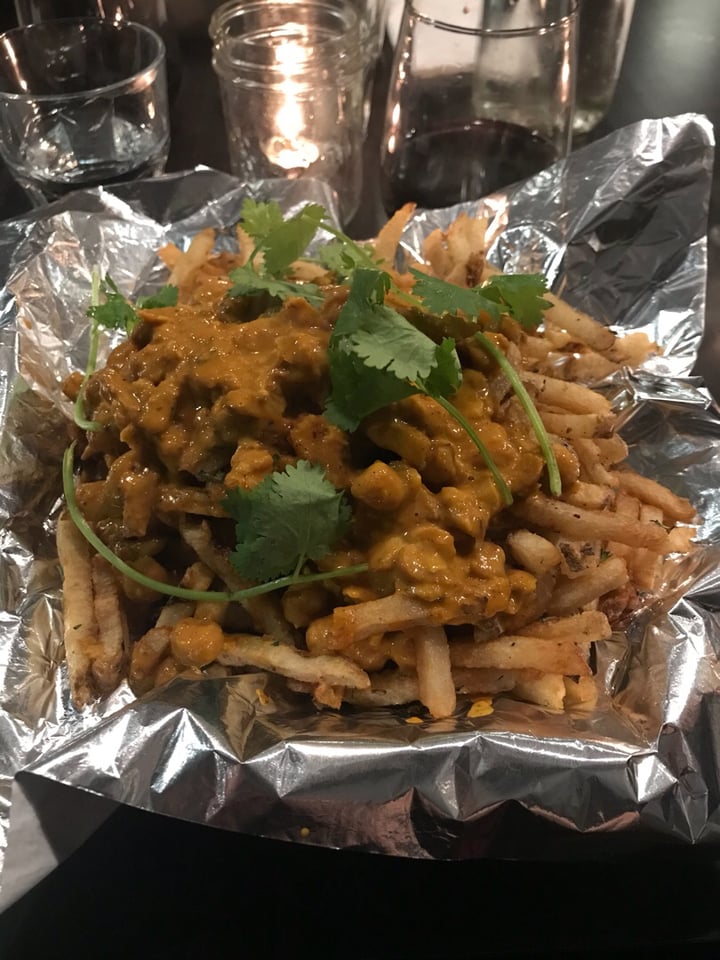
point(652, 492)
point(435, 682)
point(581, 693)
point(521, 652)
point(475, 682)
point(387, 241)
point(388, 688)
point(588, 626)
point(570, 426)
point(80, 624)
point(571, 595)
point(578, 324)
point(579, 524)
point(573, 397)
point(361, 620)
point(191, 259)
point(247, 650)
point(147, 655)
point(591, 496)
point(533, 552)
point(545, 689)
point(108, 658)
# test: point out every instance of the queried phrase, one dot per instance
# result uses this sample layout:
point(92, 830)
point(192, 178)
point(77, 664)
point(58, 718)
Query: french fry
point(386, 242)
point(590, 496)
point(573, 397)
point(588, 626)
point(571, 595)
point(388, 688)
point(578, 324)
point(80, 623)
point(435, 682)
point(483, 681)
point(247, 650)
point(147, 655)
point(545, 689)
point(611, 450)
point(592, 469)
point(521, 652)
point(651, 492)
point(108, 659)
point(579, 524)
point(533, 552)
point(389, 614)
point(581, 693)
point(571, 426)
point(192, 258)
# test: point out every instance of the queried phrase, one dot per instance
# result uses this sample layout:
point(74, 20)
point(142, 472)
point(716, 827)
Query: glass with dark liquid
point(482, 95)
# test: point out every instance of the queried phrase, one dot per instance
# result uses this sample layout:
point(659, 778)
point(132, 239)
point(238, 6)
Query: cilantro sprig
point(270, 528)
point(519, 295)
point(286, 520)
point(281, 242)
point(554, 480)
point(377, 357)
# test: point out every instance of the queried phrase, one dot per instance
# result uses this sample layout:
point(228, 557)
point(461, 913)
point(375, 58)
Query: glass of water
point(83, 102)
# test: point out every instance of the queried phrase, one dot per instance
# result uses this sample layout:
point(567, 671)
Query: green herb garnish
point(554, 481)
point(519, 295)
point(377, 357)
point(261, 531)
point(286, 520)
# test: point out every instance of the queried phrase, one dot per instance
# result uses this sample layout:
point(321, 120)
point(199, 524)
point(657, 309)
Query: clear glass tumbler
point(482, 95)
point(83, 102)
point(603, 27)
point(291, 77)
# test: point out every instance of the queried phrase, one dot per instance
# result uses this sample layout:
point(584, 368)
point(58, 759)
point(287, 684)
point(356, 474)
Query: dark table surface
point(147, 886)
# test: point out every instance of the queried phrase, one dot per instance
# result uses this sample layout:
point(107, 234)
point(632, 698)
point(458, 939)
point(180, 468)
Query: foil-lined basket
point(619, 229)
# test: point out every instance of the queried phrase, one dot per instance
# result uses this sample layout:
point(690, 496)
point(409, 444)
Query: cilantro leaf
point(166, 296)
point(440, 296)
point(260, 219)
point(115, 313)
point(343, 256)
point(446, 376)
point(280, 241)
point(379, 335)
point(247, 282)
point(359, 390)
point(377, 357)
point(288, 518)
point(520, 295)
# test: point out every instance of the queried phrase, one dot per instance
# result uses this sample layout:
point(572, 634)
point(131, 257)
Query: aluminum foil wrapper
point(619, 228)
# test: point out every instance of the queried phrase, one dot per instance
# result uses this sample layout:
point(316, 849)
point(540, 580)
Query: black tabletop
point(144, 885)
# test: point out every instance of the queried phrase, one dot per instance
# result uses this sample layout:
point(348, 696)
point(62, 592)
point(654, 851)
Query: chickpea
point(196, 642)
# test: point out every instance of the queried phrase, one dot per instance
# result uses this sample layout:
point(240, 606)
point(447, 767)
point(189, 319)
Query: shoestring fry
point(457, 592)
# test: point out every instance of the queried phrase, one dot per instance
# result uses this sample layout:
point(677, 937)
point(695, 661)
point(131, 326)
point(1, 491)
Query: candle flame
point(289, 149)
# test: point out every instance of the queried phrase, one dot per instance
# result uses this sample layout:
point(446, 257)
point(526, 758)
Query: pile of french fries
point(559, 574)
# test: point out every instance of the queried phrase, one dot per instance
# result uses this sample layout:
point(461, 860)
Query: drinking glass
point(83, 102)
point(603, 27)
point(481, 95)
point(150, 13)
point(291, 78)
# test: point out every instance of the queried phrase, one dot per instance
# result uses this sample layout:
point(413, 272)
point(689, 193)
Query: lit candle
point(288, 148)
